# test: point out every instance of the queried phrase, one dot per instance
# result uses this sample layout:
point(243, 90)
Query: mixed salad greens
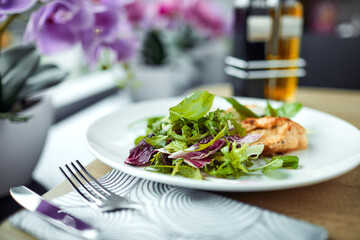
point(195, 142)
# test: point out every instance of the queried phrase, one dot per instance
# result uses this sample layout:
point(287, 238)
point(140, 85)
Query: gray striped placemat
point(172, 213)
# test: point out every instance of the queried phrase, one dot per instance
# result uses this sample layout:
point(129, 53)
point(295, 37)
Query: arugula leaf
point(167, 169)
point(176, 145)
point(193, 107)
point(196, 137)
point(277, 163)
point(138, 139)
point(217, 137)
point(153, 120)
point(269, 110)
point(158, 141)
point(288, 110)
point(177, 167)
point(158, 125)
point(190, 172)
point(243, 111)
point(238, 156)
point(291, 162)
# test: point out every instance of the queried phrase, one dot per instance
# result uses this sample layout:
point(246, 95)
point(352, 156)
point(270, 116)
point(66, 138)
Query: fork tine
point(74, 185)
point(93, 179)
point(87, 181)
point(90, 194)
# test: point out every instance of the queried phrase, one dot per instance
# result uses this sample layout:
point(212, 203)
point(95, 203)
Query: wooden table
point(334, 204)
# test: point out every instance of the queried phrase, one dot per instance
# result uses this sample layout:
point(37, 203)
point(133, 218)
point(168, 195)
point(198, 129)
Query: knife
point(53, 214)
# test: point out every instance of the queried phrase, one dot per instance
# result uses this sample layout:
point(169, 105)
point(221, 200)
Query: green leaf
point(243, 111)
point(254, 151)
point(153, 120)
point(288, 110)
point(10, 57)
point(196, 137)
point(14, 117)
point(190, 172)
point(193, 107)
point(15, 79)
point(238, 156)
point(44, 77)
point(217, 137)
point(176, 145)
point(187, 38)
point(177, 167)
point(167, 169)
point(154, 51)
point(269, 110)
point(138, 139)
point(291, 162)
point(158, 141)
point(277, 163)
point(158, 125)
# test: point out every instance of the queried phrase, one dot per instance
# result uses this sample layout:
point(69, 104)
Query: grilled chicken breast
point(279, 134)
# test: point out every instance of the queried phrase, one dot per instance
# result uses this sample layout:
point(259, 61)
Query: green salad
point(194, 142)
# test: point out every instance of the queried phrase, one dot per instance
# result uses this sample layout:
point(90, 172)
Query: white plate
point(334, 148)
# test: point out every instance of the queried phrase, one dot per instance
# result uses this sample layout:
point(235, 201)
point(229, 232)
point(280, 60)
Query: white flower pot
point(208, 58)
point(21, 145)
point(162, 81)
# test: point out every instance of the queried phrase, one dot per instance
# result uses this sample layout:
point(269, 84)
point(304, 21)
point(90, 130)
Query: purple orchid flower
point(168, 14)
point(202, 15)
point(199, 14)
point(105, 34)
point(170, 8)
point(55, 26)
point(14, 6)
point(136, 11)
point(2, 17)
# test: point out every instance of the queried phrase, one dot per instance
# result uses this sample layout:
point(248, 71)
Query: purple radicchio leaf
point(140, 154)
point(249, 138)
point(197, 155)
point(199, 163)
point(196, 145)
point(15, 6)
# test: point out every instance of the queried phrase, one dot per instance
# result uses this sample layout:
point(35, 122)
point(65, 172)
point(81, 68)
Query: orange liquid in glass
point(284, 89)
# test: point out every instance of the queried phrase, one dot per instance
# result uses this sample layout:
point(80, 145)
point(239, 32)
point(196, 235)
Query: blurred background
point(330, 45)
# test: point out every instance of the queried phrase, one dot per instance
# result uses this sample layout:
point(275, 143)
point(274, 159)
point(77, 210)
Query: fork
point(94, 193)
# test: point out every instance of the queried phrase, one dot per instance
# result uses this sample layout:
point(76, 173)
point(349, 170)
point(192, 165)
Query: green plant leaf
point(44, 77)
point(243, 111)
point(10, 57)
point(15, 79)
point(14, 117)
point(187, 38)
point(193, 107)
point(154, 52)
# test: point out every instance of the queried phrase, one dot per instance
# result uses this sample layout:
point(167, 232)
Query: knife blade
point(53, 214)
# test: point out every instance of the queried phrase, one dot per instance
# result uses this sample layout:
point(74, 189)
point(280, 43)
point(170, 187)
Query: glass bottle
point(288, 22)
